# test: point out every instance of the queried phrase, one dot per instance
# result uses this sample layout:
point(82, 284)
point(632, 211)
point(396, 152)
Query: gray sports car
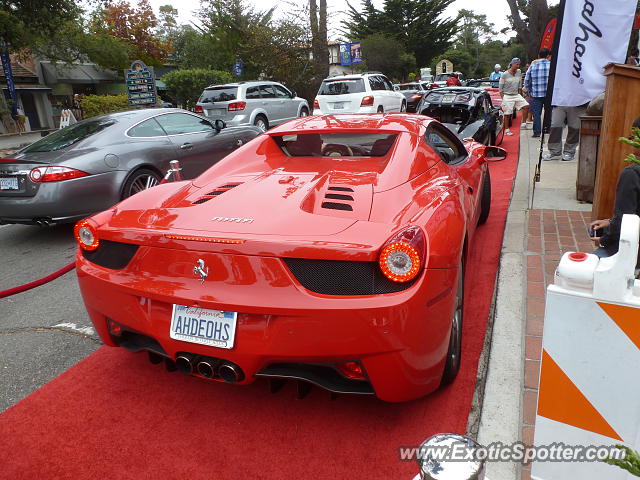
point(89, 166)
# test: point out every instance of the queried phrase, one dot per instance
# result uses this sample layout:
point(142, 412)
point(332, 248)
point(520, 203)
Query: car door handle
point(186, 146)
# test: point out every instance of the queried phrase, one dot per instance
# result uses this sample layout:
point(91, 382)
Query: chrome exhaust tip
point(206, 368)
point(230, 373)
point(184, 365)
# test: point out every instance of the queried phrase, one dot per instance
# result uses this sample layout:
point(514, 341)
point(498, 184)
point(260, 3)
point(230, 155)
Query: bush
point(185, 86)
point(93, 105)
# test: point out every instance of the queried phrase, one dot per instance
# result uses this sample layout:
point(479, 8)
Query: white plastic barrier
point(589, 377)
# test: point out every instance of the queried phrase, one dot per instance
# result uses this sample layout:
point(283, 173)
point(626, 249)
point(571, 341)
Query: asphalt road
point(46, 330)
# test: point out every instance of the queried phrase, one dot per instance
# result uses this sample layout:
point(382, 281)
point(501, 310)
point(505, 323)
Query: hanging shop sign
point(141, 84)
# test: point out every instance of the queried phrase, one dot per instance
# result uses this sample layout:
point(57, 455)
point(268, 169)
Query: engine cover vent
point(214, 193)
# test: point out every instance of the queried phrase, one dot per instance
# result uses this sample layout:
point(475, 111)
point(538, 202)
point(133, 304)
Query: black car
point(413, 92)
point(468, 112)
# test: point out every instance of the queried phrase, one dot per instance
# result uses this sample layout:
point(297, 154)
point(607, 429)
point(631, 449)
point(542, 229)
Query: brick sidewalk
point(550, 234)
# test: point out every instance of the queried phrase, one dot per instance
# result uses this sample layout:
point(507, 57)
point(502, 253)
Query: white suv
point(369, 92)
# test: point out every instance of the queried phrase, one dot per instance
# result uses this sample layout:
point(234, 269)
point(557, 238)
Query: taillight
point(198, 109)
point(236, 106)
point(115, 329)
point(417, 96)
point(55, 174)
point(316, 104)
point(435, 85)
point(402, 257)
point(367, 101)
point(351, 370)
point(8, 160)
point(86, 235)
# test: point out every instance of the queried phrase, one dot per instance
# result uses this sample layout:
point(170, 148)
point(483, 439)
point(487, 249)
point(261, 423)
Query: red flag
point(549, 34)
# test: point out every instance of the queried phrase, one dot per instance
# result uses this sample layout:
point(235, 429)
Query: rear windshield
point(410, 86)
point(441, 77)
point(336, 144)
point(340, 87)
point(69, 135)
point(218, 94)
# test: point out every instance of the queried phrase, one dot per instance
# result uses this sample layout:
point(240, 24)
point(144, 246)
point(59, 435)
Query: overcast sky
point(496, 10)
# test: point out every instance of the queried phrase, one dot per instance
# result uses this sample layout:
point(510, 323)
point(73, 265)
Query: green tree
point(417, 24)
point(186, 86)
point(529, 19)
point(134, 26)
point(24, 23)
point(195, 49)
point(381, 53)
point(231, 23)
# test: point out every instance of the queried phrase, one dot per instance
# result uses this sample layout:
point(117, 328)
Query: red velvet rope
point(37, 283)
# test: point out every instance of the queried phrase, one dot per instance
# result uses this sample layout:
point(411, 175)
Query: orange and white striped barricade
point(589, 394)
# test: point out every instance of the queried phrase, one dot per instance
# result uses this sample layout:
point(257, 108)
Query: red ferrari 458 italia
point(330, 249)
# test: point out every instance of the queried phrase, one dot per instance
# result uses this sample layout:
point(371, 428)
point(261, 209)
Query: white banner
point(594, 33)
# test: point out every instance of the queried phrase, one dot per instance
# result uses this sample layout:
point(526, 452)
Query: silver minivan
point(260, 103)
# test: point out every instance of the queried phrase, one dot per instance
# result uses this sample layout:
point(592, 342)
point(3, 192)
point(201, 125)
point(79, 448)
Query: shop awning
point(28, 86)
point(160, 85)
point(81, 73)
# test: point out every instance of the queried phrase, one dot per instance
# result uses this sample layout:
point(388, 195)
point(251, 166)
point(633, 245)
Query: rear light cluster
point(352, 370)
point(417, 96)
point(55, 174)
point(402, 257)
point(367, 101)
point(86, 235)
point(198, 109)
point(316, 104)
point(237, 106)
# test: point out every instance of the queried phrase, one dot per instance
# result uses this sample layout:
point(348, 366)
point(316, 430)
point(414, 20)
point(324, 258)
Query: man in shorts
point(510, 91)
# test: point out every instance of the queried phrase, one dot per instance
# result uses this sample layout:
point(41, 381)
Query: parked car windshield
point(69, 135)
point(341, 87)
point(218, 94)
point(443, 77)
point(336, 144)
point(409, 86)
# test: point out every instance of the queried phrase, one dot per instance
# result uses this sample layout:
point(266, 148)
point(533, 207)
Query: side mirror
point(219, 124)
point(494, 154)
point(396, 88)
point(294, 94)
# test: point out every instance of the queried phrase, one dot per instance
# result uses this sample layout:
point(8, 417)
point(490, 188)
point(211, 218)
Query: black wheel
point(403, 107)
point(485, 200)
point(140, 180)
point(304, 112)
point(261, 122)
point(500, 135)
point(452, 364)
point(380, 109)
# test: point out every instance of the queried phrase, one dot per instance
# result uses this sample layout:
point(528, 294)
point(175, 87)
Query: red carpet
point(114, 415)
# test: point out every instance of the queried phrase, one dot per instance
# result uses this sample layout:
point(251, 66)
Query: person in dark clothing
point(627, 201)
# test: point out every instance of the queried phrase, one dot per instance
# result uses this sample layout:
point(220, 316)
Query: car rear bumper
point(66, 201)
point(400, 339)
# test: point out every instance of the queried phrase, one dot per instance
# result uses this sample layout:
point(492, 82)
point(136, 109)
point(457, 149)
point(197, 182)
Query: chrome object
point(174, 169)
point(232, 219)
point(437, 469)
point(201, 270)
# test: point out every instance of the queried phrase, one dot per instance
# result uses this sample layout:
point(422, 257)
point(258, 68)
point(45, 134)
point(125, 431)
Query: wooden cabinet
point(621, 108)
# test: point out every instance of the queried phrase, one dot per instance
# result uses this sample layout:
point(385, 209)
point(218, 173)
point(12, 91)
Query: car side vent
point(343, 204)
point(218, 191)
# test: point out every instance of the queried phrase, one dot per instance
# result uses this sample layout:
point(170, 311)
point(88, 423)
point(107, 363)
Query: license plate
point(338, 106)
point(448, 98)
point(10, 183)
point(215, 328)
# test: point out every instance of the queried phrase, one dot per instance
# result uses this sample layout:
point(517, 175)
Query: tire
point(500, 136)
point(140, 180)
point(380, 109)
point(452, 363)
point(261, 122)
point(485, 200)
point(304, 112)
point(403, 107)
